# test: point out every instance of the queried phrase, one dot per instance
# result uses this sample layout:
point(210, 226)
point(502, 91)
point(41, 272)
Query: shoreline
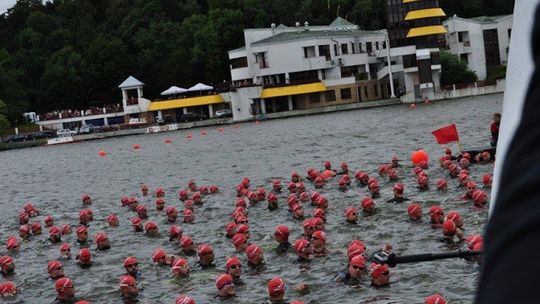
point(218, 122)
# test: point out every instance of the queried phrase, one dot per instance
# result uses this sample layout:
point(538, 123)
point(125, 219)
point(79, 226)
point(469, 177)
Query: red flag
point(446, 134)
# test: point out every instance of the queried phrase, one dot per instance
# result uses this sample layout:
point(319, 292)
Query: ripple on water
point(55, 177)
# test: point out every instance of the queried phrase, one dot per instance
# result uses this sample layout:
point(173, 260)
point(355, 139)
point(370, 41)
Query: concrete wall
point(458, 93)
point(241, 101)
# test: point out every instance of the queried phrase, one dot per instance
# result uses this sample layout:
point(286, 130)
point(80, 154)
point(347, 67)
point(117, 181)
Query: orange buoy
point(328, 174)
point(221, 130)
point(168, 141)
point(204, 133)
point(102, 153)
point(136, 146)
point(419, 156)
point(412, 106)
point(189, 136)
point(236, 126)
point(257, 122)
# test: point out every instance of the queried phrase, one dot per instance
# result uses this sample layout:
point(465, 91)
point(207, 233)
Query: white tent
point(200, 87)
point(173, 90)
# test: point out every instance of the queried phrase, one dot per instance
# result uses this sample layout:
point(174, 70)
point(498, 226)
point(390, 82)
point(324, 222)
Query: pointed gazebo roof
point(131, 82)
point(339, 22)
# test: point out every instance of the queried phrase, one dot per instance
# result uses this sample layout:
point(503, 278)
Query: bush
point(496, 72)
point(455, 71)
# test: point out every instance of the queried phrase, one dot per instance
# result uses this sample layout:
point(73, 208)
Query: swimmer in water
point(353, 273)
point(281, 235)
point(225, 286)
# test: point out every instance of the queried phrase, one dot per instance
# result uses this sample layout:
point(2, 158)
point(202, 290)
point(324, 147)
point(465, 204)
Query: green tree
point(10, 90)
point(4, 123)
point(455, 71)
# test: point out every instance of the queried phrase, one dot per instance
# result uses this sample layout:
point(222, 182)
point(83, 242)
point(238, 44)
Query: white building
point(284, 68)
point(480, 41)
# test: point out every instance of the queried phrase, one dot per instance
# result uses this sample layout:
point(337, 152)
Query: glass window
point(314, 98)
point(330, 95)
point(346, 94)
point(344, 48)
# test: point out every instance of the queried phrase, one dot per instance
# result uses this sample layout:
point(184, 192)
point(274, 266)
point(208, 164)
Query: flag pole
point(460, 146)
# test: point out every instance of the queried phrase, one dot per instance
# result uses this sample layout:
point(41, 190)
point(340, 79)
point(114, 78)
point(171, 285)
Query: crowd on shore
point(78, 113)
point(312, 243)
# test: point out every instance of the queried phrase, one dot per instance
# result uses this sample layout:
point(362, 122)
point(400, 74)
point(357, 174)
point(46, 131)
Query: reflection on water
point(55, 177)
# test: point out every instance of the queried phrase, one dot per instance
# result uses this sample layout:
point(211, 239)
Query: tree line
point(72, 54)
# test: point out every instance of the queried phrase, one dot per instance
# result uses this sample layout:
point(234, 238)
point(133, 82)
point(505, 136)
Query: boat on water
point(63, 139)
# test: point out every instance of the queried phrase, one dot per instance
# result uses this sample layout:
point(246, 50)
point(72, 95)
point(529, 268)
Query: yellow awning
point(425, 13)
point(409, 1)
point(293, 90)
point(185, 102)
point(426, 30)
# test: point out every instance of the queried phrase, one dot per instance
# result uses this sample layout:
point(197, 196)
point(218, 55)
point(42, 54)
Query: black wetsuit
point(511, 268)
point(283, 248)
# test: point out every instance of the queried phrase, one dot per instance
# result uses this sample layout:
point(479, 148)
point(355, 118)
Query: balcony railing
point(292, 82)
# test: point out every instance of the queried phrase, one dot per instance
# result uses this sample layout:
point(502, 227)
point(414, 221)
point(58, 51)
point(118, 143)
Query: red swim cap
point(436, 210)
point(224, 280)
point(6, 260)
point(282, 230)
point(327, 165)
point(149, 226)
point(24, 229)
point(300, 245)
point(453, 216)
point(100, 237)
point(238, 239)
point(435, 299)
point(449, 227)
point(276, 286)
point(350, 210)
point(487, 179)
point(231, 262)
point(62, 283)
point(471, 240)
point(136, 221)
point(367, 202)
point(127, 281)
point(204, 249)
point(359, 261)
point(141, 208)
point(315, 196)
point(243, 228)
point(178, 263)
point(296, 207)
point(174, 231)
point(355, 250)
point(12, 243)
point(186, 241)
point(7, 288)
point(158, 255)
point(214, 189)
point(441, 183)
point(320, 213)
point(479, 196)
point(170, 210)
point(319, 234)
point(183, 299)
point(252, 250)
point(130, 260)
point(399, 188)
point(35, 226)
point(65, 247)
point(413, 208)
point(376, 270)
point(52, 265)
point(111, 218)
point(85, 255)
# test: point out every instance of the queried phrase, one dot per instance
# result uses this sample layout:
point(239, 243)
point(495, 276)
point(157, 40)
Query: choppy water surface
point(55, 177)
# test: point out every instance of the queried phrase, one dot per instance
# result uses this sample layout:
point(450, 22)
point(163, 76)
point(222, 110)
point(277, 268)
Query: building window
point(366, 92)
point(260, 58)
point(336, 50)
point(409, 61)
point(330, 95)
point(309, 51)
point(344, 48)
point(464, 57)
point(353, 50)
point(509, 33)
point(314, 98)
point(376, 45)
point(360, 47)
point(346, 94)
point(238, 63)
point(324, 50)
point(369, 48)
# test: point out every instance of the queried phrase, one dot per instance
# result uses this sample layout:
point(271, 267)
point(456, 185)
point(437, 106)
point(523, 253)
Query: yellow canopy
point(185, 102)
point(425, 13)
point(293, 90)
point(426, 30)
point(409, 1)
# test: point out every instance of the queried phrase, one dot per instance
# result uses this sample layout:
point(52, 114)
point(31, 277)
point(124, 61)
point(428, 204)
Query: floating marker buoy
point(413, 106)
point(168, 141)
point(221, 130)
point(136, 146)
point(204, 133)
point(102, 153)
point(419, 156)
point(189, 136)
point(236, 126)
point(257, 122)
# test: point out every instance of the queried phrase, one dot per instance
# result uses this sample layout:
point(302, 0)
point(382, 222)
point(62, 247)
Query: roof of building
point(131, 82)
point(238, 49)
point(340, 22)
point(480, 19)
point(302, 34)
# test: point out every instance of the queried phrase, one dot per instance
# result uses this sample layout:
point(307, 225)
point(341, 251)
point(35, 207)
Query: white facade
point(289, 55)
point(465, 38)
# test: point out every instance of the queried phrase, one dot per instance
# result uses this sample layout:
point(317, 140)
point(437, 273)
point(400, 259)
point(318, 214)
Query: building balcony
point(240, 74)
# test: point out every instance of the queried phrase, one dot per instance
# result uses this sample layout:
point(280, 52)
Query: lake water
point(53, 178)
